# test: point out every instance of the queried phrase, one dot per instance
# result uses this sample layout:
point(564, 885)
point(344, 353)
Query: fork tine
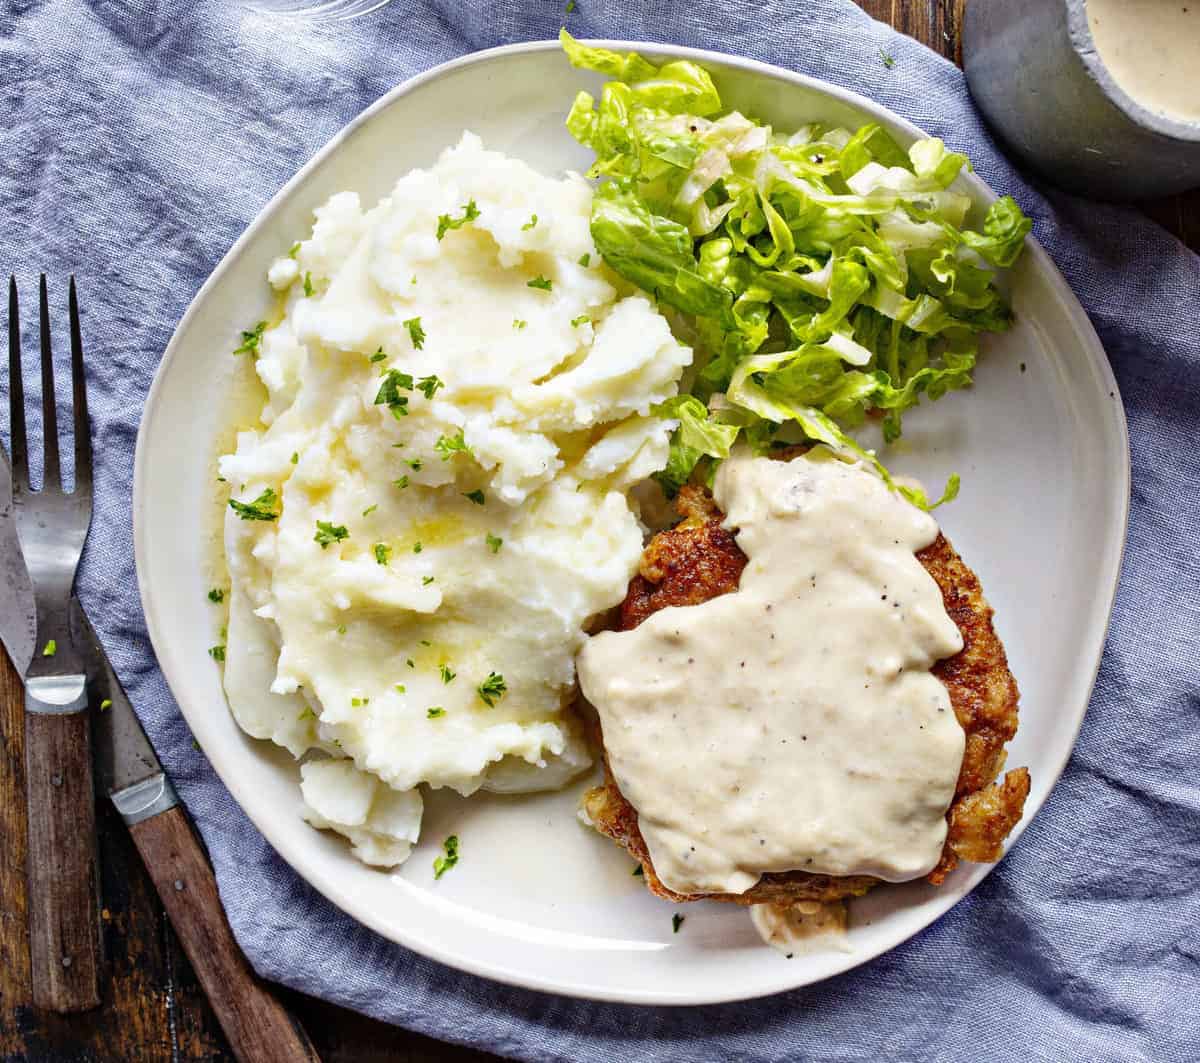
point(16, 393)
point(51, 470)
point(83, 426)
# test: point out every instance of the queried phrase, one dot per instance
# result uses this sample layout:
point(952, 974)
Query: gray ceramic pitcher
point(1034, 72)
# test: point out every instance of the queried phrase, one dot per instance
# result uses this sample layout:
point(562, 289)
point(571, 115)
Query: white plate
point(537, 900)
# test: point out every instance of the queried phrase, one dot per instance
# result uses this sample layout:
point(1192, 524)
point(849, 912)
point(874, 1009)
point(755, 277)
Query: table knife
point(129, 772)
point(18, 615)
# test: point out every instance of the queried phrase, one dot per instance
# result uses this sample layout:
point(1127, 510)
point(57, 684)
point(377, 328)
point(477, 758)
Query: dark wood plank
point(946, 28)
point(1179, 215)
point(15, 988)
point(62, 896)
point(914, 17)
point(152, 1010)
point(256, 1025)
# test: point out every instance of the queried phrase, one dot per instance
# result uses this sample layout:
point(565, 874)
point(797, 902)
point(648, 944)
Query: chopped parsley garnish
point(308, 285)
point(429, 385)
point(448, 446)
point(415, 332)
point(341, 629)
point(426, 580)
point(494, 542)
point(570, 6)
point(251, 340)
point(585, 259)
point(577, 321)
point(541, 283)
point(519, 324)
point(307, 714)
point(888, 61)
point(402, 483)
point(216, 595)
point(417, 548)
point(295, 459)
point(262, 508)
point(444, 863)
point(415, 464)
point(50, 649)
point(358, 703)
point(445, 222)
point(475, 496)
point(400, 688)
point(378, 356)
point(448, 673)
point(328, 532)
point(492, 689)
point(529, 224)
point(393, 383)
point(425, 642)
point(294, 250)
point(370, 509)
point(434, 712)
point(217, 653)
point(106, 704)
point(409, 662)
point(676, 922)
point(382, 550)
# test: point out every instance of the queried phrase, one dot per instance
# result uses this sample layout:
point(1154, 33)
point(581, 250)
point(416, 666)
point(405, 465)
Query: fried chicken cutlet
point(697, 560)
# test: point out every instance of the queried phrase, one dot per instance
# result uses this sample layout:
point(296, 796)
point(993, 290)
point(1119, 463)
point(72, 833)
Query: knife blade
point(127, 768)
point(18, 614)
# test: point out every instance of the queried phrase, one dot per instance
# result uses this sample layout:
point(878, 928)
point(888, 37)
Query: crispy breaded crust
point(685, 565)
point(698, 560)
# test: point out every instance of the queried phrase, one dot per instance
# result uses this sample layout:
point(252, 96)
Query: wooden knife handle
point(61, 869)
point(257, 1026)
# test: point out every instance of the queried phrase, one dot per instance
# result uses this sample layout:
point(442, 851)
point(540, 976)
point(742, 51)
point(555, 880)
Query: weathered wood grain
point(154, 1010)
point(151, 1009)
point(62, 892)
point(257, 1027)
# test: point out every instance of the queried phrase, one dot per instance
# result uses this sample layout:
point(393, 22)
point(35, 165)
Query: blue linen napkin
point(141, 136)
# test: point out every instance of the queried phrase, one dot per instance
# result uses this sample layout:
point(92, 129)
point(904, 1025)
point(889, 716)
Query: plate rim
point(1111, 563)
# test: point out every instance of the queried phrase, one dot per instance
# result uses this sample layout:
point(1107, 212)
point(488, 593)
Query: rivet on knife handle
point(258, 1027)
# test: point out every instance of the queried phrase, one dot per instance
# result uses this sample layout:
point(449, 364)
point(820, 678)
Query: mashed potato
point(459, 398)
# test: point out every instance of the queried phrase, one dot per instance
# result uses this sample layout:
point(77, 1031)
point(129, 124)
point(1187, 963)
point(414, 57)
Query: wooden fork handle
point(64, 918)
point(258, 1027)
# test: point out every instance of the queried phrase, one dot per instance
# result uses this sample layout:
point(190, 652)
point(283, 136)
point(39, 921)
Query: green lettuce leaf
point(653, 252)
point(697, 436)
point(1004, 232)
point(627, 67)
point(825, 274)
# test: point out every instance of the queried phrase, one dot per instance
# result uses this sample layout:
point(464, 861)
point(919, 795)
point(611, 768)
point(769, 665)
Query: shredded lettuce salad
point(826, 274)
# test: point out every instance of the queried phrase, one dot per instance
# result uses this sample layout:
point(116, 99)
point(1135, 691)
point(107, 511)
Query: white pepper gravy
point(792, 724)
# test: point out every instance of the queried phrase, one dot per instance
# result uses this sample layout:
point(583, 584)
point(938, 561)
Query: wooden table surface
point(154, 1010)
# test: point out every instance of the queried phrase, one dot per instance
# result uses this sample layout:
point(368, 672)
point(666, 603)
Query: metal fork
point(52, 524)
